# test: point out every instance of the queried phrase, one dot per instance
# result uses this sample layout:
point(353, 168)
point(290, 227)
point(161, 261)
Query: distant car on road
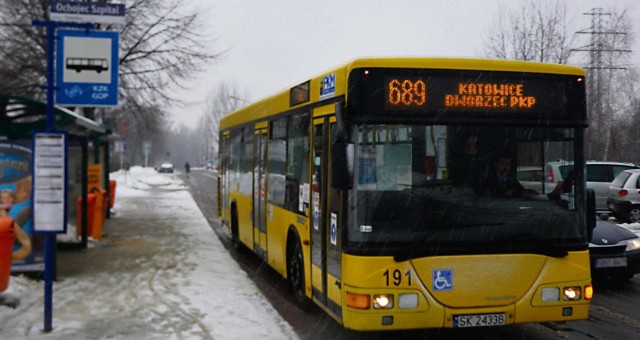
point(624, 196)
point(614, 252)
point(166, 168)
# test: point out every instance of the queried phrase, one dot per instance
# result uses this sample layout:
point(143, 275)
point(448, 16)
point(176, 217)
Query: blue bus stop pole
point(49, 241)
point(49, 238)
point(50, 75)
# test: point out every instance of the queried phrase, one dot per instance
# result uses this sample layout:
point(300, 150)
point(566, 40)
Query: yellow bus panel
point(324, 110)
point(278, 221)
point(492, 284)
point(245, 224)
point(334, 292)
point(316, 278)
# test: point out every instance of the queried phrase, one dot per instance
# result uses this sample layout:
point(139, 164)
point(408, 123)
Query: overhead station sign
point(87, 12)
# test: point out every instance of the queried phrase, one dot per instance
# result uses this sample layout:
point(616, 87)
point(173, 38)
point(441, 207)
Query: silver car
point(600, 174)
point(531, 178)
point(624, 196)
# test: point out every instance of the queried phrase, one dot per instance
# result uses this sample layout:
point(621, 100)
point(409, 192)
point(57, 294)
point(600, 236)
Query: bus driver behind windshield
point(498, 179)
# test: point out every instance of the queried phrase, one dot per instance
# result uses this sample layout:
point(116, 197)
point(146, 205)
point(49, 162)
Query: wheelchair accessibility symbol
point(442, 279)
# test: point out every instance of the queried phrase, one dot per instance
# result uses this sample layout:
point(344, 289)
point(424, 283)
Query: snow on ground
point(635, 227)
point(192, 289)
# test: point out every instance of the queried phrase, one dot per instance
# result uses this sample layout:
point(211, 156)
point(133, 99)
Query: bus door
point(259, 215)
point(326, 214)
point(223, 179)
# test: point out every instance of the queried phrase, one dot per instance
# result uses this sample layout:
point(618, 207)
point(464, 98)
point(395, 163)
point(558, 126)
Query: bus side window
point(291, 194)
point(297, 174)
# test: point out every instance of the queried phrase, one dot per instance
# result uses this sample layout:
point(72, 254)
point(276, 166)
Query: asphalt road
point(614, 313)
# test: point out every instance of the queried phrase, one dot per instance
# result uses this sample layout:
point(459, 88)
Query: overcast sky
point(272, 45)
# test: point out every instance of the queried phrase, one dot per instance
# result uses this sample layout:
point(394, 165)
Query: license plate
point(478, 320)
point(611, 262)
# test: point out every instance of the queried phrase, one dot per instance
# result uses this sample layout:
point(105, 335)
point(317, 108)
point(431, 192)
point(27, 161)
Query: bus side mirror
point(341, 153)
point(342, 165)
point(591, 212)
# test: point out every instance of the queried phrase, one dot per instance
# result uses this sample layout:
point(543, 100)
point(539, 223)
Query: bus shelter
point(88, 150)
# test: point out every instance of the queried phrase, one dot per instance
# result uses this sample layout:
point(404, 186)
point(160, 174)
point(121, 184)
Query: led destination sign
point(490, 96)
point(406, 92)
point(413, 93)
point(390, 93)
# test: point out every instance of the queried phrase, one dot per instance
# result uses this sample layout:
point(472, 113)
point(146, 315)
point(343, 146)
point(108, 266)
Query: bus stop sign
point(86, 68)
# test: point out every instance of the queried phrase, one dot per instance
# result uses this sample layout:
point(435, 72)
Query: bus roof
point(280, 102)
point(468, 64)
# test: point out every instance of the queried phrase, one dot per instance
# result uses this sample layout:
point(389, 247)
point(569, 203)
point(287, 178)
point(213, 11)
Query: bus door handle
point(339, 284)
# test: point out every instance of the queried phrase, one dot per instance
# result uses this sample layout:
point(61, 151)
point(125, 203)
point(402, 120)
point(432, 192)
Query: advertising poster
point(367, 167)
point(16, 202)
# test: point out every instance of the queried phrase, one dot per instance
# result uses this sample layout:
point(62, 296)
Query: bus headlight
point(407, 301)
point(550, 294)
point(572, 293)
point(383, 301)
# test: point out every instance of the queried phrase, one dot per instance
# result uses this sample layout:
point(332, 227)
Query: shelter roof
point(20, 116)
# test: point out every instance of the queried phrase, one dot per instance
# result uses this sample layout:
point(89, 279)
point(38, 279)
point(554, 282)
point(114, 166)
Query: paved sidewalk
point(159, 273)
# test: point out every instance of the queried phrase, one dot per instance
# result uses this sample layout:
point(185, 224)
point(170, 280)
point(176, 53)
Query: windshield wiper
point(504, 245)
point(548, 249)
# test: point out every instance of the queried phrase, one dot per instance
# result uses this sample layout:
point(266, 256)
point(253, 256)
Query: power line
point(598, 44)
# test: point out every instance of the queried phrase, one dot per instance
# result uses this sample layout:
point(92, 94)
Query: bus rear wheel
point(235, 234)
point(295, 273)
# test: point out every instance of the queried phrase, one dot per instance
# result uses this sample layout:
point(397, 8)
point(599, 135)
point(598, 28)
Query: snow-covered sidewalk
point(160, 272)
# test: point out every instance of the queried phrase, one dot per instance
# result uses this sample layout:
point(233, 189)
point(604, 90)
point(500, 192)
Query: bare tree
point(162, 46)
point(222, 99)
point(136, 133)
point(537, 33)
point(23, 48)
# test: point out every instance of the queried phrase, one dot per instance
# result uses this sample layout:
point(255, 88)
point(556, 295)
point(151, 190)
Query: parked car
point(614, 252)
point(624, 196)
point(166, 168)
point(600, 174)
point(531, 177)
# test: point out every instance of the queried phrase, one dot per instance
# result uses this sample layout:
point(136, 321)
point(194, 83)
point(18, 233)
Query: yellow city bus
point(362, 187)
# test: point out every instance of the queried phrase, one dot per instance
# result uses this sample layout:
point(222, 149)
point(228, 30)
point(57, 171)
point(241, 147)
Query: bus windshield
point(437, 189)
